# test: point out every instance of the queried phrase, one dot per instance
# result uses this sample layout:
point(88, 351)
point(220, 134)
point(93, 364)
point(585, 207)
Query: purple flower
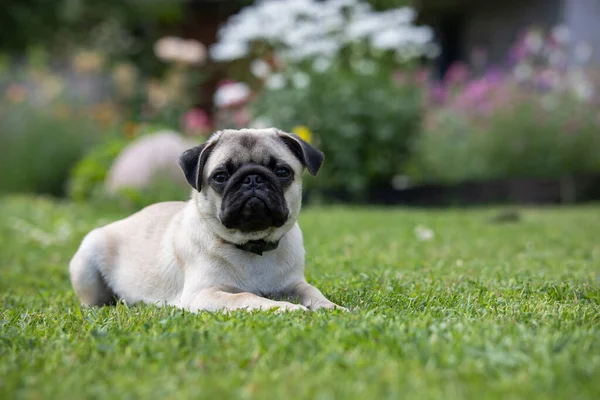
point(473, 94)
point(494, 76)
point(457, 74)
point(546, 81)
point(517, 53)
point(439, 93)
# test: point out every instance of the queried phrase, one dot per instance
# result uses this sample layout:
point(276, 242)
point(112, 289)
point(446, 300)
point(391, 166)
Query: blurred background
point(423, 102)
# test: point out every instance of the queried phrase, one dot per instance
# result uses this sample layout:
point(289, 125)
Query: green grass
point(482, 310)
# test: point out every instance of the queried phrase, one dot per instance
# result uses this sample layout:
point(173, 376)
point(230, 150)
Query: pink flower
point(196, 121)
point(547, 80)
point(457, 74)
point(474, 95)
point(421, 76)
point(439, 94)
point(494, 76)
point(230, 94)
point(518, 52)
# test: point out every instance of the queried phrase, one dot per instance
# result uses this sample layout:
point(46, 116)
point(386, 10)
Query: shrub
point(329, 66)
point(87, 181)
point(361, 123)
point(161, 189)
point(40, 145)
point(90, 172)
point(521, 142)
point(539, 119)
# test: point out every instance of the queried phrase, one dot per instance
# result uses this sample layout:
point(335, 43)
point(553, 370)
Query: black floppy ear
point(192, 163)
point(311, 157)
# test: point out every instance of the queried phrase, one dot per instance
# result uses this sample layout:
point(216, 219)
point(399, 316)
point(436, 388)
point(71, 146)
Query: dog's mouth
point(255, 216)
point(253, 201)
point(252, 216)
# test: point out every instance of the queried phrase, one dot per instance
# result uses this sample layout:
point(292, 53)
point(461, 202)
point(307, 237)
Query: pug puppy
point(234, 245)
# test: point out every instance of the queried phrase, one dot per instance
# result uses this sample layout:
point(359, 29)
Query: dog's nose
point(253, 180)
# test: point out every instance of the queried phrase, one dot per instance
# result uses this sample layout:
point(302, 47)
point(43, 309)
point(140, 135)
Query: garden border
point(576, 189)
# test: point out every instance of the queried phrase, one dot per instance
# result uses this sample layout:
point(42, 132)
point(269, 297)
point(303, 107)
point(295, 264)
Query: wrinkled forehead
point(243, 147)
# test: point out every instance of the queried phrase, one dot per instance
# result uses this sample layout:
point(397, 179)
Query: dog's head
point(250, 181)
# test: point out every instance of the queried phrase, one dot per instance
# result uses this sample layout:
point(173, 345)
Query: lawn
point(447, 305)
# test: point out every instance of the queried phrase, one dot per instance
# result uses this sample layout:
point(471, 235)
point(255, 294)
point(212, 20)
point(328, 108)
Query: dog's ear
point(311, 157)
point(192, 163)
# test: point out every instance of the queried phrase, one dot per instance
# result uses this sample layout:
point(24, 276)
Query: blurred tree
point(117, 27)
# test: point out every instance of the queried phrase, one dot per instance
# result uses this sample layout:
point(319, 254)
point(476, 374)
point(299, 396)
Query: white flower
point(231, 93)
point(321, 64)
point(166, 48)
point(343, 3)
point(308, 29)
point(261, 122)
point(387, 39)
point(260, 69)
point(365, 67)
point(361, 8)
point(171, 48)
point(403, 15)
point(523, 72)
point(404, 39)
point(424, 233)
point(362, 27)
point(534, 41)
point(228, 51)
point(300, 80)
point(192, 52)
point(583, 90)
point(275, 82)
point(323, 47)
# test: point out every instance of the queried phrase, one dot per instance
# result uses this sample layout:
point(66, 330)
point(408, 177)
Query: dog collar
point(258, 246)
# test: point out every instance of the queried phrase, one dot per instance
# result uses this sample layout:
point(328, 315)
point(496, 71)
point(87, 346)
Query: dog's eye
point(283, 172)
point(221, 177)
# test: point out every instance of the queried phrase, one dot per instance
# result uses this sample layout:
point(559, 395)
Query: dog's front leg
point(227, 299)
point(311, 297)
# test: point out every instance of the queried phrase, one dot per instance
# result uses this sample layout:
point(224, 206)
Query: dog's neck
point(258, 246)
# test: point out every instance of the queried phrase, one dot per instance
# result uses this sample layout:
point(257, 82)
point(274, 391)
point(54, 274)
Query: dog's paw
point(285, 307)
point(327, 305)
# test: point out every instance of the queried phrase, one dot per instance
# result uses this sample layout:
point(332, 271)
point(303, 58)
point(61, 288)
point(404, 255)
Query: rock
point(146, 157)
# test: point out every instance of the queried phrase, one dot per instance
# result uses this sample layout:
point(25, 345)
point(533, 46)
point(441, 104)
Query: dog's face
point(249, 181)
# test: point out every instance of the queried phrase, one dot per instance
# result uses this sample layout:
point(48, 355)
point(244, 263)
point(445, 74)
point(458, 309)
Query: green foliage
point(501, 311)
point(363, 124)
point(88, 177)
point(119, 28)
point(161, 189)
point(91, 171)
point(39, 147)
point(523, 141)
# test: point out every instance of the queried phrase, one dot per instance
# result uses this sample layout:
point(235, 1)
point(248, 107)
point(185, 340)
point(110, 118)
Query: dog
point(235, 244)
